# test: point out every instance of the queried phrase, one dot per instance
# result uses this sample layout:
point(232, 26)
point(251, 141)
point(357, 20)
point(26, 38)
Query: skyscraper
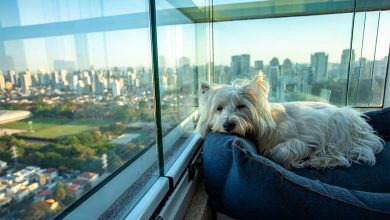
point(274, 62)
point(183, 71)
point(235, 66)
point(319, 64)
point(345, 62)
point(2, 81)
point(259, 65)
point(12, 77)
point(115, 86)
point(245, 64)
point(25, 81)
point(287, 67)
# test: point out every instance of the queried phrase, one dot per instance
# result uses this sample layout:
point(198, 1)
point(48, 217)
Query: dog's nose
point(229, 126)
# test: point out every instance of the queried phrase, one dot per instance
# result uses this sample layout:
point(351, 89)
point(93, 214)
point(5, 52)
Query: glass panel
point(381, 61)
point(74, 107)
point(228, 10)
point(33, 12)
point(367, 77)
point(366, 59)
point(182, 63)
point(303, 66)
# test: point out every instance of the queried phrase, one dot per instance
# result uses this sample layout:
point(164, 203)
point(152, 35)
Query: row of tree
point(76, 152)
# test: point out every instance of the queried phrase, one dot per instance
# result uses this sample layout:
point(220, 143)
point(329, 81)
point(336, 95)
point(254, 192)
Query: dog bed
point(245, 185)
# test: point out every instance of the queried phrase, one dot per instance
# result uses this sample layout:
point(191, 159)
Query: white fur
point(294, 134)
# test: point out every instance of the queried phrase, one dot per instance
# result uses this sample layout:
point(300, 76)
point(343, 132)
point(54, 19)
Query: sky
point(295, 38)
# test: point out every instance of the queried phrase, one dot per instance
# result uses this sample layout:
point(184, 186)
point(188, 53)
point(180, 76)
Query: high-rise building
point(259, 65)
point(273, 76)
point(162, 64)
point(56, 77)
point(240, 66)
point(183, 72)
point(287, 67)
point(64, 77)
point(345, 62)
point(274, 62)
point(319, 64)
point(80, 88)
point(25, 80)
point(12, 77)
point(115, 86)
point(87, 78)
point(34, 79)
point(2, 81)
point(235, 66)
point(44, 78)
point(184, 61)
point(245, 64)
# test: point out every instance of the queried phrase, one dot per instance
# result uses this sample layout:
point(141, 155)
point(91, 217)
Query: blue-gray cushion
point(245, 185)
point(380, 120)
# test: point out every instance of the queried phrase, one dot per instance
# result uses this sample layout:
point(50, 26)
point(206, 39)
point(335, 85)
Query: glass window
point(182, 64)
point(76, 100)
point(305, 52)
point(303, 66)
point(77, 103)
point(370, 59)
point(34, 12)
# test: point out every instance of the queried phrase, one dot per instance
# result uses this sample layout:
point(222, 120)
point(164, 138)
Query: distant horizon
point(137, 67)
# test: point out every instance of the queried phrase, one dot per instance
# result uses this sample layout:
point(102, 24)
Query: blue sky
point(295, 38)
point(298, 37)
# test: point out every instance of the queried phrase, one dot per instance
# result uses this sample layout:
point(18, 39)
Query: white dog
point(294, 134)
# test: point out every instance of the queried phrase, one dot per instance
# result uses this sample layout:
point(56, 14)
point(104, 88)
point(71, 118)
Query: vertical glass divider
point(360, 60)
point(386, 79)
point(156, 85)
point(350, 52)
point(373, 61)
point(210, 20)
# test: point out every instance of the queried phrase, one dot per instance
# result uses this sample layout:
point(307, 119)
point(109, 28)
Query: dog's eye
point(241, 106)
point(219, 108)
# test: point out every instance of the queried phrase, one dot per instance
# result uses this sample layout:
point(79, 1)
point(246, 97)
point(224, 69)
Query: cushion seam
point(307, 188)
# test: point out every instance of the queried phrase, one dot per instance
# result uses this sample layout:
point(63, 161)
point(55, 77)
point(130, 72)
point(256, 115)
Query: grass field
point(52, 128)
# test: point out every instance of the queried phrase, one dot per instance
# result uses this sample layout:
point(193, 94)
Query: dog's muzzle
point(229, 126)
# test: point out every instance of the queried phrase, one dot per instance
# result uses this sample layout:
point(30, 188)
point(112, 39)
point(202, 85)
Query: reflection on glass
point(34, 12)
point(73, 108)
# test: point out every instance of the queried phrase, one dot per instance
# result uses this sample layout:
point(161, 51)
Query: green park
point(54, 128)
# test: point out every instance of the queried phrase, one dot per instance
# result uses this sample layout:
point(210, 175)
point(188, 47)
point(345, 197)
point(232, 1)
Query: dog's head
point(238, 109)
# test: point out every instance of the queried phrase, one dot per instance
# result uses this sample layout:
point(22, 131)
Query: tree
point(60, 191)
point(69, 199)
point(114, 162)
point(122, 114)
point(37, 210)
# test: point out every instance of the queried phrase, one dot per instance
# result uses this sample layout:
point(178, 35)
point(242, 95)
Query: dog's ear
point(204, 87)
point(259, 78)
point(261, 83)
